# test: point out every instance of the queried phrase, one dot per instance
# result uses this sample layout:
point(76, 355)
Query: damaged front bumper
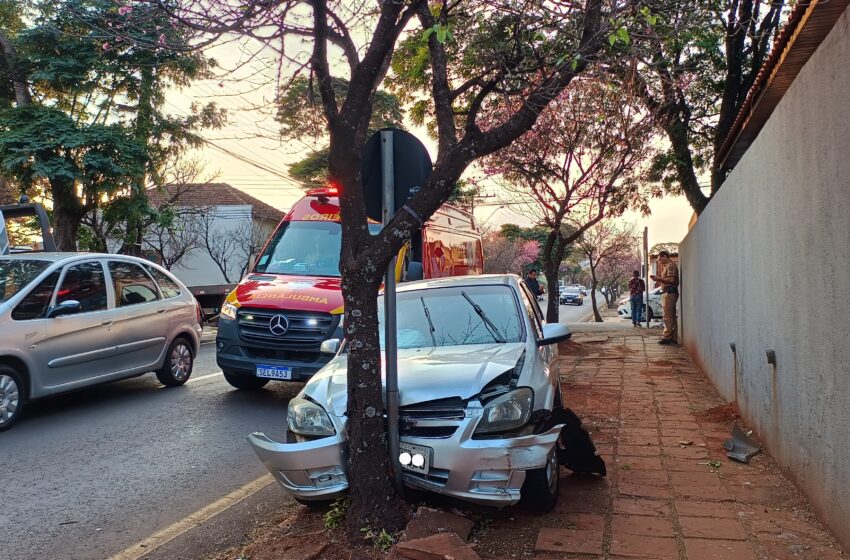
point(310, 470)
point(483, 471)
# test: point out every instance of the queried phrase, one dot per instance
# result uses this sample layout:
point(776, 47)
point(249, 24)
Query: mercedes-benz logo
point(279, 325)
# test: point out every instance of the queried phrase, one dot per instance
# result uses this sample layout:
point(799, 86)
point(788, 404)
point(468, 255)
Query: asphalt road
point(88, 474)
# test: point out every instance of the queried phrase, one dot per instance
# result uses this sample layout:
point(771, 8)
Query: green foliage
point(99, 72)
point(39, 142)
point(300, 113)
point(336, 514)
point(382, 540)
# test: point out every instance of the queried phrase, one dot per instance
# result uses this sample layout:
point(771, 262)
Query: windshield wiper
point(430, 323)
point(494, 332)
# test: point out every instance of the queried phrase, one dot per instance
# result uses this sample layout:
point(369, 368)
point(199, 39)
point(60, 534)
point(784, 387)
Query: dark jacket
point(534, 286)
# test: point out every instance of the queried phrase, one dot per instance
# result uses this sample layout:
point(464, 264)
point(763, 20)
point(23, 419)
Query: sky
point(247, 154)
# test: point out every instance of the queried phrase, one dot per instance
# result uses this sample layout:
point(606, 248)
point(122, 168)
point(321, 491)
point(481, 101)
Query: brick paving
point(670, 491)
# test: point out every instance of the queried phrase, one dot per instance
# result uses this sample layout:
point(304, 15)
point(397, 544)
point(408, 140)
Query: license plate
point(274, 372)
point(414, 450)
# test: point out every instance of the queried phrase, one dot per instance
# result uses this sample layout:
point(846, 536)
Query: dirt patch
point(724, 414)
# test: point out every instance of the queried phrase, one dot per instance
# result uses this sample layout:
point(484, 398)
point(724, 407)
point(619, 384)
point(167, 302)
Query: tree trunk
point(373, 500)
point(593, 283)
point(677, 132)
point(68, 212)
point(553, 254)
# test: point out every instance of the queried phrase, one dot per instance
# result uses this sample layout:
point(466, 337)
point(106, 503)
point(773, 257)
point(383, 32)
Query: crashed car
point(480, 402)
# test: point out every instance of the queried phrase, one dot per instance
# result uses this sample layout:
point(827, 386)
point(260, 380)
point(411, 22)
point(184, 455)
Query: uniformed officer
point(669, 281)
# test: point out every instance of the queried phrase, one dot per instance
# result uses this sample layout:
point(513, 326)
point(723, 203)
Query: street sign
point(411, 166)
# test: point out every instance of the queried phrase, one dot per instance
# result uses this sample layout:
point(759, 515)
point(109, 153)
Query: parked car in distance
point(572, 296)
point(70, 320)
point(624, 307)
point(478, 384)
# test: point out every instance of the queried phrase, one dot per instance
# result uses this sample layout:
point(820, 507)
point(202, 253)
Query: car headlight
point(509, 411)
point(308, 419)
point(229, 310)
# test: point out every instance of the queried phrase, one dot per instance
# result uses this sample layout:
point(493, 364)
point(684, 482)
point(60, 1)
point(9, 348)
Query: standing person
point(636, 289)
point(669, 281)
point(532, 283)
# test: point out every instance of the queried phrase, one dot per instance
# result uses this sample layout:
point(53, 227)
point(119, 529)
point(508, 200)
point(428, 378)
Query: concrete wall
point(767, 266)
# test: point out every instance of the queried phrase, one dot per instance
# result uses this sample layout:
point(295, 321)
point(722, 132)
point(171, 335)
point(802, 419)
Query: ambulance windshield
point(306, 248)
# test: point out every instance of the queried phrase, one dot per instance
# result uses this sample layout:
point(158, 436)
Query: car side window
point(84, 282)
point(167, 286)
point(35, 304)
point(531, 308)
point(132, 284)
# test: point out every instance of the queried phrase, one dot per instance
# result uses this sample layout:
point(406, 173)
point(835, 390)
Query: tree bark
point(593, 284)
point(553, 255)
point(68, 212)
point(677, 132)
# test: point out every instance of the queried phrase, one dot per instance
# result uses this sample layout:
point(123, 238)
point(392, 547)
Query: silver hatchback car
point(479, 393)
point(70, 320)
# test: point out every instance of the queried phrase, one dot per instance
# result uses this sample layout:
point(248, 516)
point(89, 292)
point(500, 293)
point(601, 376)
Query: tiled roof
point(808, 25)
point(212, 194)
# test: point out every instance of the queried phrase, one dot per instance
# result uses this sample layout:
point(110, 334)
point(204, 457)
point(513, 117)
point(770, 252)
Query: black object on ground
point(578, 452)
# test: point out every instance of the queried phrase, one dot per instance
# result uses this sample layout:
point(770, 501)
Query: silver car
point(478, 383)
point(69, 320)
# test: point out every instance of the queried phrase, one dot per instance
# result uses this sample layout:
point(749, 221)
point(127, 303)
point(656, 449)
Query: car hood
point(424, 374)
point(286, 291)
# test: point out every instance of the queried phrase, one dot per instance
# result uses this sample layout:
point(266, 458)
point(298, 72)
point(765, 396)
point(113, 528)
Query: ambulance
point(271, 327)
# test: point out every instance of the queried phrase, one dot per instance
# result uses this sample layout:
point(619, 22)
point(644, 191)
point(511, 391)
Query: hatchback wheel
point(178, 364)
point(541, 488)
point(11, 399)
point(245, 381)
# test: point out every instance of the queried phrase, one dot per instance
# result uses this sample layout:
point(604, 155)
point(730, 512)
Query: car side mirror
point(415, 271)
point(330, 346)
point(67, 307)
point(554, 333)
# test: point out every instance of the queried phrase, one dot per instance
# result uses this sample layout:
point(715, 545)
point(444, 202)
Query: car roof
point(460, 281)
point(67, 256)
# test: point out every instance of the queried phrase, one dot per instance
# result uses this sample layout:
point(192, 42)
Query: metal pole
point(646, 271)
point(390, 343)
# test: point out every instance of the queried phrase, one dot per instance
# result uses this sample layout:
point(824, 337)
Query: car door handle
point(107, 323)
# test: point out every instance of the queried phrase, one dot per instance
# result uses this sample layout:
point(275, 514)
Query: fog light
point(219, 345)
point(404, 458)
point(418, 460)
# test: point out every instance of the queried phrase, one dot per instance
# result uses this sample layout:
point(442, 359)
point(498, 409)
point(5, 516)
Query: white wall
point(198, 268)
point(767, 266)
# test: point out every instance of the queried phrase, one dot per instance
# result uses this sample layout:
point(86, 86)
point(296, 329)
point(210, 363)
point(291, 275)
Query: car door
point(141, 317)
point(547, 355)
point(76, 349)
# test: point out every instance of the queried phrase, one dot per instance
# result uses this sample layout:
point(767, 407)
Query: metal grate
point(435, 419)
point(305, 329)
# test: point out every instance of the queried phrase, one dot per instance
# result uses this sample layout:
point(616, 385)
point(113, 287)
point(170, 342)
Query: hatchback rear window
point(167, 286)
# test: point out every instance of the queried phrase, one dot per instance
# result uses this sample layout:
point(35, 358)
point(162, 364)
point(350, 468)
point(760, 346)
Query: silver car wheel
point(9, 397)
point(181, 362)
point(552, 473)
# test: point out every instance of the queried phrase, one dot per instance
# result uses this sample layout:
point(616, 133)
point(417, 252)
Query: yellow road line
point(178, 528)
point(201, 378)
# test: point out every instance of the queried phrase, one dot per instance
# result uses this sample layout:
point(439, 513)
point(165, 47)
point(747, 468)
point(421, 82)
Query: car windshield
point(16, 274)
point(571, 291)
point(305, 248)
point(455, 316)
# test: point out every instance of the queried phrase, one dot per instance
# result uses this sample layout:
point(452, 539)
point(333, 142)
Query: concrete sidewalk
point(670, 493)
